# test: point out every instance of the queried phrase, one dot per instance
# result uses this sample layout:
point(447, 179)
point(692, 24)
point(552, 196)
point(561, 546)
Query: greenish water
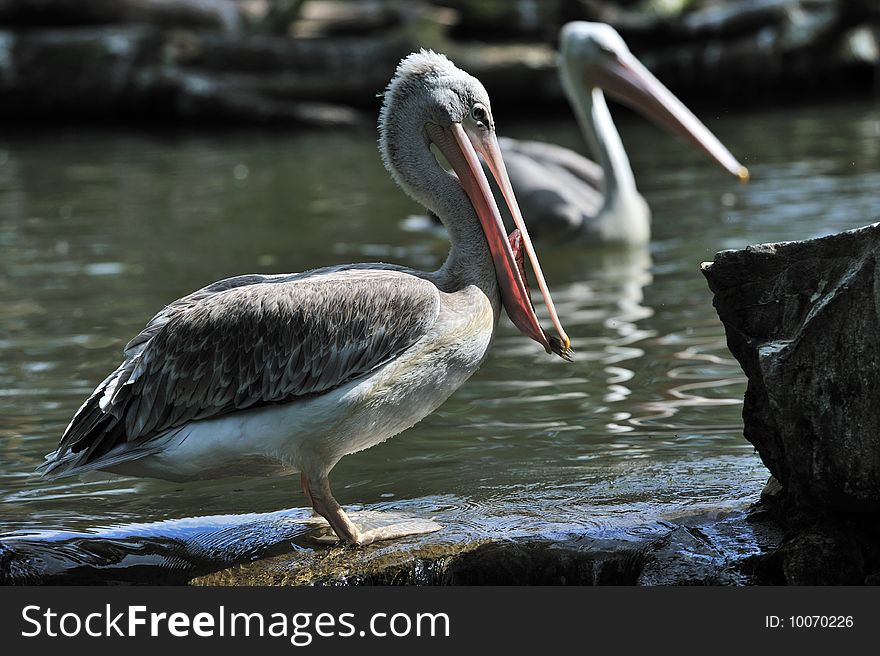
point(99, 229)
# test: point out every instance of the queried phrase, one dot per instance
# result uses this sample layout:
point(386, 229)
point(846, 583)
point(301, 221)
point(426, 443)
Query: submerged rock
point(802, 318)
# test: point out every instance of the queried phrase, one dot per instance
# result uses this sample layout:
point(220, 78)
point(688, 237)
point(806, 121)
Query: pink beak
point(460, 149)
point(625, 78)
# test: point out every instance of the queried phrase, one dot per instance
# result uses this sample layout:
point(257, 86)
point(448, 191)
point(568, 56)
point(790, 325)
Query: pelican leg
point(304, 482)
point(317, 490)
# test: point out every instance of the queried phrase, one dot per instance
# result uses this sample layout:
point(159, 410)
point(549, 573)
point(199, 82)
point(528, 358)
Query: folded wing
point(242, 343)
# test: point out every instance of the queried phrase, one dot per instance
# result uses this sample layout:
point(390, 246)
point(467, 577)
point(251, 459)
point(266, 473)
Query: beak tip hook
point(560, 347)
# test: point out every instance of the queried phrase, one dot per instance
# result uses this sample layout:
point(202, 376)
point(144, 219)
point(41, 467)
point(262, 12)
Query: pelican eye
point(606, 50)
point(479, 113)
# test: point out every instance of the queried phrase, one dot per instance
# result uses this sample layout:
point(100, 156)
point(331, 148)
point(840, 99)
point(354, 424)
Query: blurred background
point(312, 61)
point(151, 147)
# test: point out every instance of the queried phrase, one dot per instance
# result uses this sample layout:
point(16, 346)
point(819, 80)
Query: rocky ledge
point(710, 548)
point(802, 318)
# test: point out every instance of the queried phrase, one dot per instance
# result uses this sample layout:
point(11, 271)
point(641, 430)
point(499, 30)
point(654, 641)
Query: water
point(99, 229)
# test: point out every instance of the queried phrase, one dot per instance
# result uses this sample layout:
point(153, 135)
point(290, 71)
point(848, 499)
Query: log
point(222, 15)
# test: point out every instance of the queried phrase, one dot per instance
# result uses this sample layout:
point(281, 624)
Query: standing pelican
point(301, 369)
point(566, 196)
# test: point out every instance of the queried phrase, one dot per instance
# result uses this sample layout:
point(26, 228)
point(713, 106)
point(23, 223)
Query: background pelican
point(298, 370)
point(566, 196)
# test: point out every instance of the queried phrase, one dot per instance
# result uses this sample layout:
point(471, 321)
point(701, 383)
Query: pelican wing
point(243, 343)
point(557, 189)
point(555, 157)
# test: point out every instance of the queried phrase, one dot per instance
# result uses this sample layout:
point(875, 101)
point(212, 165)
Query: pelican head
point(594, 56)
point(431, 102)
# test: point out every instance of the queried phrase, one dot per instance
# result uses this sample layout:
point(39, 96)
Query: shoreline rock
point(711, 547)
point(803, 318)
point(704, 549)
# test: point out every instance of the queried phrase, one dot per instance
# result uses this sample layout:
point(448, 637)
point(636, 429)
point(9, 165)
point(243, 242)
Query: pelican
point(568, 197)
point(298, 370)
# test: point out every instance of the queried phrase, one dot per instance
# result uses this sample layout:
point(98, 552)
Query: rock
point(772, 490)
point(288, 548)
point(705, 549)
point(337, 70)
point(686, 557)
point(576, 560)
point(141, 72)
point(823, 558)
point(803, 319)
point(7, 67)
point(824, 551)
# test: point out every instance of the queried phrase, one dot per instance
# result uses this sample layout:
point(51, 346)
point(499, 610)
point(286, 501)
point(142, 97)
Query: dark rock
point(435, 560)
point(772, 490)
point(339, 70)
point(802, 319)
point(483, 20)
point(826, 550)
point(707, 549)
point(823, 558)
point(578, 561)
point(809, 28)
point(288, 548)
point(687, 557)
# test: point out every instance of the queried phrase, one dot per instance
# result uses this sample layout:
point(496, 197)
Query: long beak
point(460, 152)
point(627, 79)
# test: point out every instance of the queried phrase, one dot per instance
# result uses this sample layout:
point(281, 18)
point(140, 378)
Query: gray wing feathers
point(185, 303)
point(558, 190)
point(246, 342)
point(553, 155)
